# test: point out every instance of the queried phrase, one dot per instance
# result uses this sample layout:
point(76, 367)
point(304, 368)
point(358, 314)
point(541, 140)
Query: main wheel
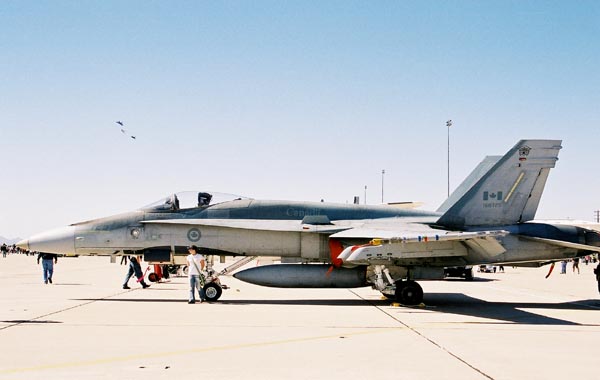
point(410, 293)
point(469, 274)
point(398, 293)
point(172, 269)
point(213, 291)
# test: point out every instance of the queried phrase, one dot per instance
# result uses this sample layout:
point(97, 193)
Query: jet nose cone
point(60, 240)
point(23, 244)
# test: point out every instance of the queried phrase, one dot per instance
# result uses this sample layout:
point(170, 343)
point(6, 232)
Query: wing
point(414, 244)
point(429, 246)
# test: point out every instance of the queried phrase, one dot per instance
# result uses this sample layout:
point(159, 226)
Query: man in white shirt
point(196, 264)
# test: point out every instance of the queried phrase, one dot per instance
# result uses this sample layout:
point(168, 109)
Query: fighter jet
point(488, 220)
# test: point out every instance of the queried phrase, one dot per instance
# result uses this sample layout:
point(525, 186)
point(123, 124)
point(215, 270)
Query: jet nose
point(23, 244)
point(60, 240)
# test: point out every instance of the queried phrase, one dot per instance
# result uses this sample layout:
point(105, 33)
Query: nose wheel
point(212, 291)
point(408, 292)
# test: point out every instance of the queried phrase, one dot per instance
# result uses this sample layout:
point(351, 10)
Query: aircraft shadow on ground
point(446, 303)
point(458, 303)
point(142, 300)
point(461, 304)
point(305, 302)
point(29, 321)
point(475, 279)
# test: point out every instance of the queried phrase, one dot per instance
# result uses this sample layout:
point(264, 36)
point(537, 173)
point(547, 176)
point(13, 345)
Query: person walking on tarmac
point(196, 264)
point(48, 261)
point(134, 268)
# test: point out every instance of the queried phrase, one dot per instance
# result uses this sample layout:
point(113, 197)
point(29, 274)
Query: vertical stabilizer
point(509, 192)
point(483, 167)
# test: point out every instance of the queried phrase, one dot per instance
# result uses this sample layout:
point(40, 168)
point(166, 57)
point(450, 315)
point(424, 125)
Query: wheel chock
point(398, 304)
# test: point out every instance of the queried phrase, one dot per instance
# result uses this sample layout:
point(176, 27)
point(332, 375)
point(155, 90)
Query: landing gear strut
point(408, 292)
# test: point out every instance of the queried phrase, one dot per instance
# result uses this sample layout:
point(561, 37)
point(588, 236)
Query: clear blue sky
point(287, 100)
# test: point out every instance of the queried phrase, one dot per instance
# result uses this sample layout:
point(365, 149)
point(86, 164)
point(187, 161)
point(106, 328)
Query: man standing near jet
point(48, 260)
point(196, 264)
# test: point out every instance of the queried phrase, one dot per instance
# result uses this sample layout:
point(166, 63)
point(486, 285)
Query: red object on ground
point(158, 271)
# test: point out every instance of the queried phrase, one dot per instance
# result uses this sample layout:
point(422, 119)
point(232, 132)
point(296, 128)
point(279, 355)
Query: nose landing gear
point(212, 291)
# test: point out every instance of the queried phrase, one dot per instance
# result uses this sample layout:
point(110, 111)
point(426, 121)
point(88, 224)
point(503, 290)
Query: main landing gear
point(408, 292)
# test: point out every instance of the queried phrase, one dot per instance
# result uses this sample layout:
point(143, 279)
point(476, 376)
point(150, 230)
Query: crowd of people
point(587, 260)
point(14, 250)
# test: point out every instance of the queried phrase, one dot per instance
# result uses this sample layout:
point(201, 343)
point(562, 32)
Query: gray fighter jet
point(486, 221)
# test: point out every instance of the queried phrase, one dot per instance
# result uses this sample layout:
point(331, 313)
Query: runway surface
point(508, 325)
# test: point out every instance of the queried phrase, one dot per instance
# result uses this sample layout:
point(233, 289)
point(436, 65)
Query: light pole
point(365, 194)
point(449, 124)
point(382, 174)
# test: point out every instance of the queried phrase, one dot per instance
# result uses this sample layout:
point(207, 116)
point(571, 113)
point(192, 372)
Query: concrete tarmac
point(508, 325)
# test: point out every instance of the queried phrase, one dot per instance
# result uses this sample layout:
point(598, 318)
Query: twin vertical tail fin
point(509, 192)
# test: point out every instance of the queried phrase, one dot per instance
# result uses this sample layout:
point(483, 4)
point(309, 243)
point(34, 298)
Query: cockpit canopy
point(188, 200)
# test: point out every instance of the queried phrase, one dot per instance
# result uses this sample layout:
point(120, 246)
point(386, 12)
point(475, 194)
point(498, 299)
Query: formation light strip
point(514, 187)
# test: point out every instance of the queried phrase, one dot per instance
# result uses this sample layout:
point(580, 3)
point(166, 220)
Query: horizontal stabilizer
point(564, 244)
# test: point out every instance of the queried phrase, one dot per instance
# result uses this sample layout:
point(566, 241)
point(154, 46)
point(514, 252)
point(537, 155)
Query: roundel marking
point(193, 234)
